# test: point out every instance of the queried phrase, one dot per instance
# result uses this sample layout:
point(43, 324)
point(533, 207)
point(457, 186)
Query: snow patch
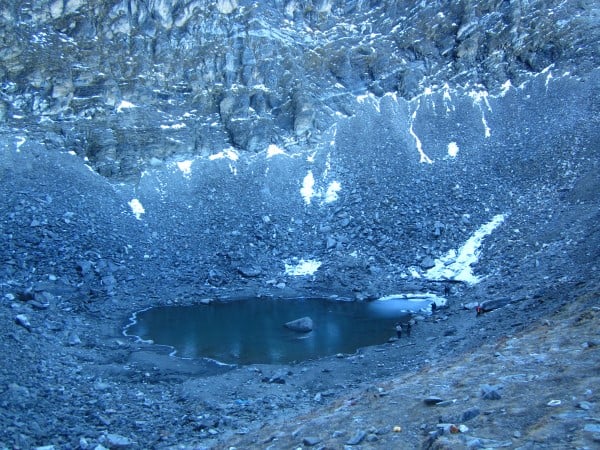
point(125, 105)
point(394, 304)
point(452, 149)
point(303, 267)
point(185, 167)
point(137, 208)
point(457, 266)
point(20, 141)
point(175, 126)
point(228, 153)
point(307, 190)
point(273, 150)
point(332, 192)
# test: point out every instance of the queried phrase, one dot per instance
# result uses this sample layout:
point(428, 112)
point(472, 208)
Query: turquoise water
point(252, 332)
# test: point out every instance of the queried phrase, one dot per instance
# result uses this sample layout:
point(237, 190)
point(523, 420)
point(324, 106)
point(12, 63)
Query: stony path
point(537, 389)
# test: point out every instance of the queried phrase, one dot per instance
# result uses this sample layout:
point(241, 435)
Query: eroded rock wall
point(128, 83)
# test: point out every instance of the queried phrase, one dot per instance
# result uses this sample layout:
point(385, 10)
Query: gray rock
point(302, 325)
point(74, 339)
point(470, 413)
point(371, 437)
point(331, 242)
point(23, 321)
point(84, 267)
point(432, 400)
point(279, 377)
point(490, 305)
point(357, 438)
point(311, 441)
point(427, 263)
point(490, 392)
point(118, 441)
point(249, 271)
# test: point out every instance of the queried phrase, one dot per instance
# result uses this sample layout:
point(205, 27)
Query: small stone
point(470, 414)
point(584, 405)
point(74, 339)
point(23, 321)
point(371, 437)
point(331, 242)
point(432, 400)
point(357, 438)
point(489, 392)
point(310, 441)
point(118, 441)
point(427, 263)
point(554, 403)
point(249, 271)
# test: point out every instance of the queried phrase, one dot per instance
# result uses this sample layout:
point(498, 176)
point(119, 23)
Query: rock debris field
point(177, 152)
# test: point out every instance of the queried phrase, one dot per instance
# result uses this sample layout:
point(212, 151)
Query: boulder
point(490, 305)
point(302, 325)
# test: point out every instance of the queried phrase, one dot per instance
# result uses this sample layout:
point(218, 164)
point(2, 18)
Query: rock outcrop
point(128, 84)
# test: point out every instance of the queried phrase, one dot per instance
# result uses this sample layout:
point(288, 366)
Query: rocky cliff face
point(131, 83)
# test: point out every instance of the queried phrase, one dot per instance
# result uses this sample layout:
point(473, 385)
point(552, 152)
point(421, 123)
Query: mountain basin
point(252, 331)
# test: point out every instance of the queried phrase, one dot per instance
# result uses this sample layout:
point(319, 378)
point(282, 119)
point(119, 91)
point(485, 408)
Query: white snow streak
point(304, 267)
point(480, 97)
point(423, 158)
point(332, 192)
point(453, 266)
point(307, 190)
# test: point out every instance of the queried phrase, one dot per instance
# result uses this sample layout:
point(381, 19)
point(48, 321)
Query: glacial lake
point(252, 331)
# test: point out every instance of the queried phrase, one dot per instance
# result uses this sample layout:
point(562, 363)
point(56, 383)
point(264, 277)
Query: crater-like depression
point(254, 331)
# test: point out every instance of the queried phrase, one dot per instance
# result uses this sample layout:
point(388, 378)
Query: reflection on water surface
point(252, 332)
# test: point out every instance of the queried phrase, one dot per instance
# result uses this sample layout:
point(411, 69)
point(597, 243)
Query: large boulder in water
point(302, 325)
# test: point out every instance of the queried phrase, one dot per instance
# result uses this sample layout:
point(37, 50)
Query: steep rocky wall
point(126, 83)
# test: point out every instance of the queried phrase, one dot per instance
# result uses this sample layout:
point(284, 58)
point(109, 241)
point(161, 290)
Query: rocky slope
point(372, 137)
